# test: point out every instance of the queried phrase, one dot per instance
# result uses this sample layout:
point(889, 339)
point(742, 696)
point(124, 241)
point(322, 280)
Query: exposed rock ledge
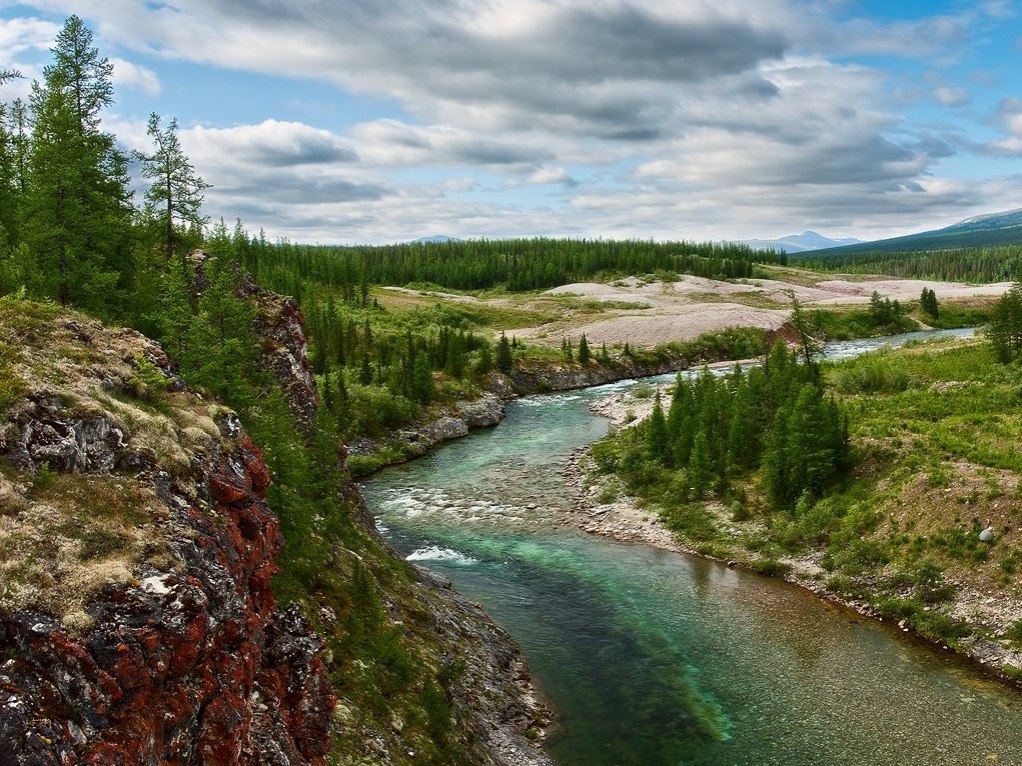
point(137, 624)
point(451, 422)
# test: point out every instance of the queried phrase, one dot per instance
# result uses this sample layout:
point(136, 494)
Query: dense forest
point(957, 264)
point(514, 265)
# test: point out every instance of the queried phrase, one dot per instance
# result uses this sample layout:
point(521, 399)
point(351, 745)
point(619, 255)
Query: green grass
point(856, 323)
point(12, 386)
point(933, 428)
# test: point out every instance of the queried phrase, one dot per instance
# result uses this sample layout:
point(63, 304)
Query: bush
point(1015, 632)
point(870, 376)
point(376, 410)
point(771, 567)
point(930, 586)
point(148, 382)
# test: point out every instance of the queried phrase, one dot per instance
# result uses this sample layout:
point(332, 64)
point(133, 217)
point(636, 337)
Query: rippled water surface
point(653, 658)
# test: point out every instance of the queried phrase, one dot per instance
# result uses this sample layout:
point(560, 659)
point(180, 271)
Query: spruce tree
point(505, 361)
point(223, 343)
point(1006, 325)
point(700, 465)
point(422, 379)
point(658, 445)
point(584, 354)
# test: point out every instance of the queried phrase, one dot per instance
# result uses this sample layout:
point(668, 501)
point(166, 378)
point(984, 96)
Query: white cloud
point(20, 35)
point(950, 96)
point(710, 115)
point(550, 176)
point(136, 77)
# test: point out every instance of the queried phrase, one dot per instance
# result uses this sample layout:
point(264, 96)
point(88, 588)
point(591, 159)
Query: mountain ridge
point(807, 241)
point(983, 230)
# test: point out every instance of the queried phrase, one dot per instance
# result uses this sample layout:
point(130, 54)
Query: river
point(659, 659)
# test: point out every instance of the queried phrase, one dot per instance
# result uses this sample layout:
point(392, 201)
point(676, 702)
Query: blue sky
point(361, 121)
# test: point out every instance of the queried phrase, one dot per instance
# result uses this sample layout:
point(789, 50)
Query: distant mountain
point(799, 243)
point(435, 239)
point(987, 230)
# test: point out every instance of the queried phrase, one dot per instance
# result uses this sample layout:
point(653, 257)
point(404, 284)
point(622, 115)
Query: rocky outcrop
point(283, 345)
point(137, 623)
point(493, 694)
point(442, 424)
point(280, 325)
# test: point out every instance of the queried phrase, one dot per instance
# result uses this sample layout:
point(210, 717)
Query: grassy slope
point(935, 431)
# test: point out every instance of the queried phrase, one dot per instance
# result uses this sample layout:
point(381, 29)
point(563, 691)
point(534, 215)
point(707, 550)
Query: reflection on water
point(657, 659)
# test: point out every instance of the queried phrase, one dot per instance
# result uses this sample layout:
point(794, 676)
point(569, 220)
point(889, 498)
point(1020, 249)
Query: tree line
point(962, 264)
point(512, 264)
point(69, 229)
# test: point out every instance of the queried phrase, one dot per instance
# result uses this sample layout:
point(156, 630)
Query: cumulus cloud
point(20, 35)
point(1009, 118)
point(722, 113)
point(129, 75)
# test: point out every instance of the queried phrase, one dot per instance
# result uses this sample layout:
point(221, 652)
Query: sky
point(369, 121)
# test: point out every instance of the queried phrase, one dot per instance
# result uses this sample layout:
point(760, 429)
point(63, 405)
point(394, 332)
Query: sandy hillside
point(687, 308)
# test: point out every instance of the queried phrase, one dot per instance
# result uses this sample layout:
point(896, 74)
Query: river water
point(659, 659)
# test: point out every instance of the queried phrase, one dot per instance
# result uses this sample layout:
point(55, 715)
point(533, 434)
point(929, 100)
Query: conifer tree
point(175, 318)
point(365, 376)
point(484, 363)
point(77, 199)
point(1006, 325)
point(658, 445)
point(928, 303)
point(173, 202)
point(700, 465)
point(583, 350)
point(228, 361)
point(422, 379)
point(809, 345)
point(505, 361)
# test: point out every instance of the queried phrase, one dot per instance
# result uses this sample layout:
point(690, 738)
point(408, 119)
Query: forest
point(1001, 263)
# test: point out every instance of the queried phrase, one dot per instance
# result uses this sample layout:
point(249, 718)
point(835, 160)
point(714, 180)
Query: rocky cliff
point(137, 623)
point(137, 619)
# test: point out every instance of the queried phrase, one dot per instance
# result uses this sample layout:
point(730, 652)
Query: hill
point(989, 230)
point(799, 243)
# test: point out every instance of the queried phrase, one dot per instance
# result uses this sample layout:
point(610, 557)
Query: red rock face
point(196, 666)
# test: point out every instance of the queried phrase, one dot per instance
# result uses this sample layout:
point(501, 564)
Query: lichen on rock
point(137, 621)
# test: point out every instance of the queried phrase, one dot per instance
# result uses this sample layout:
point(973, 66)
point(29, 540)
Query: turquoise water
point(654, 658)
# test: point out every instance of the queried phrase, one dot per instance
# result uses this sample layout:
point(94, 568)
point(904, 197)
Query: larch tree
point(77, 202)
point(174, 200)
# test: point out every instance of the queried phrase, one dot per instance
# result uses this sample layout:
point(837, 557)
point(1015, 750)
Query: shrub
point(1015, 632)
point(149, 381)
point(771, 567)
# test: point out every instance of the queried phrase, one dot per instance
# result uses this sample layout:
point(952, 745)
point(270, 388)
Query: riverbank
point(440, 423)
point(601, 507)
